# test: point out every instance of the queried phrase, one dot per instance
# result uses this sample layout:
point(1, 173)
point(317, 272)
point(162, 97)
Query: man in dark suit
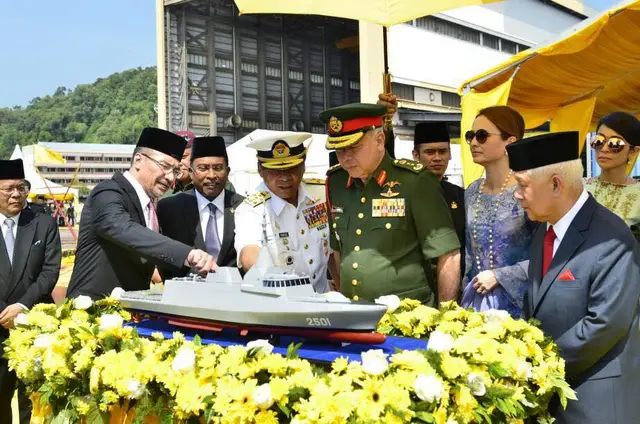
point(584, 281)
point(204, 216)
point(30, 257)
point(119, 242)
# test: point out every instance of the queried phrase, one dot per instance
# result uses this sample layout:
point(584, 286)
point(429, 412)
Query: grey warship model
point(268, 299)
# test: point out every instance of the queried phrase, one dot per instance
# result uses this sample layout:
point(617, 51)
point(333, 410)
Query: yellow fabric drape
point(471, 104)
point(575, 117)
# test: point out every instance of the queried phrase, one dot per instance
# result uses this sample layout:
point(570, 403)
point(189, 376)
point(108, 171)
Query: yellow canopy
point(587, 72)
point(382, 12)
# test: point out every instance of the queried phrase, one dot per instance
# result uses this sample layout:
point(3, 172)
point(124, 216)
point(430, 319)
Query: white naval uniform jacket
point(298, 238)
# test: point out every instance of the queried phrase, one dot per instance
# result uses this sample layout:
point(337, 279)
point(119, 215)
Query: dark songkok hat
point(543, 150)
point(431, 132)
point(204, 147)
point(11, 169)
point(163, 141)
point(624, 124)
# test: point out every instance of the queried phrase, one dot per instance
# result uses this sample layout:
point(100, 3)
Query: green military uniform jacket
point(388, 230)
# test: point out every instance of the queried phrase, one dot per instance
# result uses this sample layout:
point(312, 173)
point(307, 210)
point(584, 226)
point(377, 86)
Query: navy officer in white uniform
point(283, 213)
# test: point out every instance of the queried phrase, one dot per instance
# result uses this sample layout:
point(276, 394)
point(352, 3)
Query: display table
point(311, 350)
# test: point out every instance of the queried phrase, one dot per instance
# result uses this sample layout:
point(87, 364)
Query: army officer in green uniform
point(388, 217)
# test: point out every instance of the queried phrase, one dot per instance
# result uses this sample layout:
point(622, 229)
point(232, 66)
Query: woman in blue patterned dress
point(498, 232)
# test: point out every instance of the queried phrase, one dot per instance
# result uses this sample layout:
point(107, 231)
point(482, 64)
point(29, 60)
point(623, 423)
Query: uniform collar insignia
point(382, 177)
point(349, 182)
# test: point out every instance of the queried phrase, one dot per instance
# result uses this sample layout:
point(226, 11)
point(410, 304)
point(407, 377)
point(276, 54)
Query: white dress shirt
point(561, 227)
point(297, 239)
point(203, 210)
point(15, 219)
point(142, 196)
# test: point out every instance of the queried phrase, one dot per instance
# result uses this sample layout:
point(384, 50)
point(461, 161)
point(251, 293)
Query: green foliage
point(111, 110)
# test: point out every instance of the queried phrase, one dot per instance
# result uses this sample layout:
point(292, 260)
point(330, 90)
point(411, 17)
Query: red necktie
point(547, 254)
point(153, 217)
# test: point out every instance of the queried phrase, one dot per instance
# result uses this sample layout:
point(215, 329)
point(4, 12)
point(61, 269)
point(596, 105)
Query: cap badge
point(335, 125)
point(280, 150)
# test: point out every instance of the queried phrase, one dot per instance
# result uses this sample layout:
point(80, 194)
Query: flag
point(44, 155)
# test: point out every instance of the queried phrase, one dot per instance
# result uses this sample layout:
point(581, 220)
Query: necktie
point(547, 253)
point(9, 240)
point(153, 218)
point(211, 239)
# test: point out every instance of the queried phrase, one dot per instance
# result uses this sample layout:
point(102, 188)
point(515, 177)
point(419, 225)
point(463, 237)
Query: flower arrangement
point(82, 364)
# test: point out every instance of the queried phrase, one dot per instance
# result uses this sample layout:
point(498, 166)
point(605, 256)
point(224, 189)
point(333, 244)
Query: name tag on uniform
point(316, 216)
point(283, 235)
point(381, 208)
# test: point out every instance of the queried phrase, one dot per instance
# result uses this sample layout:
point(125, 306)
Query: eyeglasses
point(166, 168)
point(7, 191)
point(480, 135)
point(615, 144)
point(204, 169)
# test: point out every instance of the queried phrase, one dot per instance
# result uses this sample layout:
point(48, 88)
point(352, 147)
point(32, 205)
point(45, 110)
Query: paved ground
point(66, 238)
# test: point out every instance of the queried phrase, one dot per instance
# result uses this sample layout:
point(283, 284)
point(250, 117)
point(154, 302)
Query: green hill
point(111, 110)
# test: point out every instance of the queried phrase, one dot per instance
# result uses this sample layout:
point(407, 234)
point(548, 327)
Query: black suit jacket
point(179, 218)
point(36, 263)
point(454, 195)
point(35, 208)
point(115, 248)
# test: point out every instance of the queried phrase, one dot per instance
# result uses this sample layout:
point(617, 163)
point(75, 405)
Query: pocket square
point(567, 275)
point(37, 243)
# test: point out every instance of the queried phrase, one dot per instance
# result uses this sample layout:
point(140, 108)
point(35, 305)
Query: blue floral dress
point(512, 234)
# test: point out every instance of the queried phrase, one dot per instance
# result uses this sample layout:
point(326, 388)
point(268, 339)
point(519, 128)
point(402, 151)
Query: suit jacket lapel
point(192, 219)
point(24, 239)
point(133, 196)
point(5, 267)
point(571, 241)
point(229, 226)
point(535, 265)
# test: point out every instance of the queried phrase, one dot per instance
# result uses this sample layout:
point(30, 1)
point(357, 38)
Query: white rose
point(43, 341)
point(428, 388)
point(116, 293)
point(82, 302)
point(440, 342)
point(136, 390)
point(452, 421)
point(21, 319)
point(392, 302)
point(476, 384)
point(185, 360)
point(262, 345)
point(109, 321)
point(374, 361)
point(525, 369)
point(496, 315)
point(262, 396)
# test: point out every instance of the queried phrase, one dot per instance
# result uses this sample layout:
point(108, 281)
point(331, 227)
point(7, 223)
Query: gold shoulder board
point(314, 181)
point(258, 198)
point(411, 165)
point(334, 168)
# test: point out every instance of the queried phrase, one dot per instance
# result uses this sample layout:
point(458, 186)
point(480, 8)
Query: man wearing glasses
point(119, 242)
point(204, 216)
point(283, 215)
point(30, 257)
point(389, 219)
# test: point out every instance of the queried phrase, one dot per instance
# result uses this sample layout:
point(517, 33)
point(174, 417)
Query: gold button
point(363, 200)
point(334, 225)
point(360, 215)
point(387, 226)
point(355, 265)
point(357, 248)
point(306, 246)
point(358, 231)
point(356, 298)
point(302, 231)
point(354, 282)
point(310, 261)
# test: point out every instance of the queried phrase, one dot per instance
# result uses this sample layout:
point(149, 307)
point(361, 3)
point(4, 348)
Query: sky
point(46, 44)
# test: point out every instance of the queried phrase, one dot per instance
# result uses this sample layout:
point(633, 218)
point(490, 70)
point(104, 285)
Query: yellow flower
point(453, 367)
point(465, 403)
point(340, 365)
point(411, 360)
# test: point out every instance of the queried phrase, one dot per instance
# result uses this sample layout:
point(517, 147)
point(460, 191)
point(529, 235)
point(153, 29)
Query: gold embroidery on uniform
point(389, 193)
point(454, 205)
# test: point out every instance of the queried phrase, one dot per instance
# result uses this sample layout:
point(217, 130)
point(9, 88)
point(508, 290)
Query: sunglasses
point(480, 135)
point(615, 144)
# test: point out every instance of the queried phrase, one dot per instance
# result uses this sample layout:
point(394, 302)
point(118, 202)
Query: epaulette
point(334, 168)
point(411, 165)
point(258, 198)
point(313, 181)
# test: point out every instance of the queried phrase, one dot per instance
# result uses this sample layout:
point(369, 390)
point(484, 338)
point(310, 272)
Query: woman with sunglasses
point(498, 231)
point(616, 143)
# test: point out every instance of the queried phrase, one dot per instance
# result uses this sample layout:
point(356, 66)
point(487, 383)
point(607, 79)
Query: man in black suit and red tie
point(119, 243)
point(203, 217)
point(30, 257)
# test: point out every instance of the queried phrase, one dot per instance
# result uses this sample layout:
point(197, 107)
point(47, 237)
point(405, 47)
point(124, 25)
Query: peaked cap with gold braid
point(349, 123)
point(280, 150)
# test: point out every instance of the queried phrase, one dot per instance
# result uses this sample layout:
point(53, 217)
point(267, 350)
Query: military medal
point(316, 216)
point(389, 192)
point(454, 205)
point(381, 208)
